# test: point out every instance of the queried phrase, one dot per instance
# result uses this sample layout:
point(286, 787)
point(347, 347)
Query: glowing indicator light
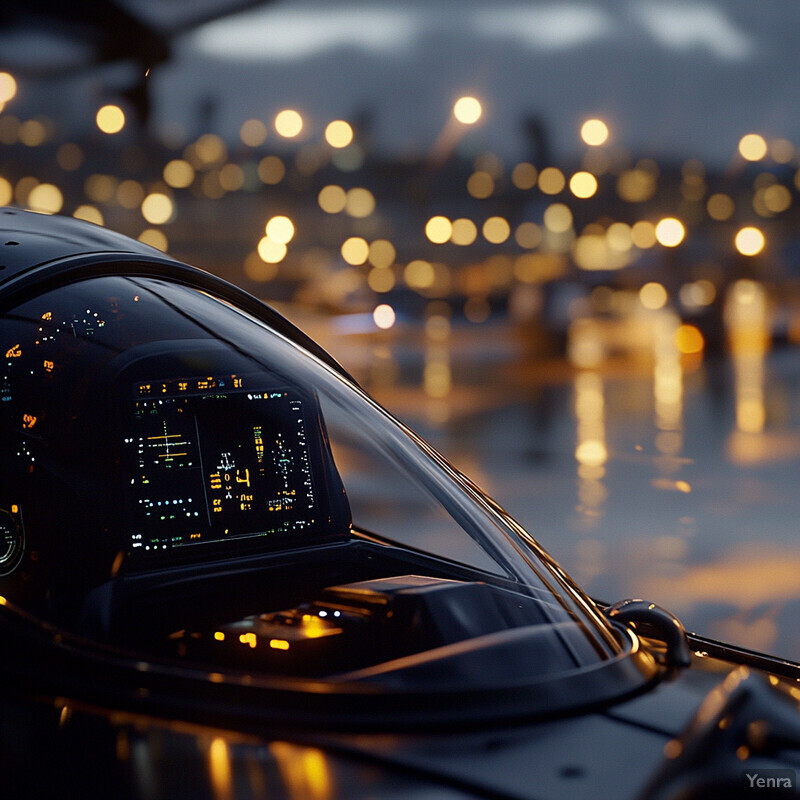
point(219, 636)
point(28, 421)
point(276, 644)
point(248, 639)
point(14, 352)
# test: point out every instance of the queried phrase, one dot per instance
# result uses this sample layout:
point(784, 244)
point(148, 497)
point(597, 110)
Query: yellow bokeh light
point(130, 194)
point(419, 274)
point(467, 110)
point(209, 149)
point(594, 132)
point(100, 188)
point(258, 270)
point(178, 174)
point(720, 207)
point(528, 235)
point(637, 185)
point(289, 123)
point(551, 180)
point(8, 87)
point(752, 147)
point(750, 241)
point(110, 119)
point(271, 252)
point(32, 133)
point(653, 296)
point(155, 238)
point(777, 198)
point(6, 192)
point(271, 170)
point(280, 230)
point(670, 232)
point(157, 208)
point(439, 229)
point(619, 237)
point(381, 279)
point(46, 198)
point(480, 185)
point(339, 133)
point(583, 185)
point(360, 203)
point(643, 234)
point(332, 199)
point(382, 253)
point(689, 340)
point(524, 175)
point(465, 232)
point(355, 251)
point(496, 230)
point(558, 218)
point(384, 316)
point(88, 214)
point(231, 177)
point(253, 132)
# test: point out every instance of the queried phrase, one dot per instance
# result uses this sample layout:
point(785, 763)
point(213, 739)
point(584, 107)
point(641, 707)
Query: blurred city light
point(280, 229)
point(8, 87)
point(670, 232)
point(384, 316)
point(594, 132)
point(752, 147)
point(467, 110)
point(339, 133)
point(750, 241)
point(289, 123)
point(110, 119)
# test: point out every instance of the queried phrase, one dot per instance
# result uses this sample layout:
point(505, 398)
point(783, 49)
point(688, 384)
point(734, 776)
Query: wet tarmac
point(682, 491)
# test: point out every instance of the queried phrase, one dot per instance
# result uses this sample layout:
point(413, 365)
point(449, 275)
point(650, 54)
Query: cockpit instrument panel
point(215, 458)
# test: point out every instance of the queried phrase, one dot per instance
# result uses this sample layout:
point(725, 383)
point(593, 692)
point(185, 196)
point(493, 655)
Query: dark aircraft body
point(226, 572)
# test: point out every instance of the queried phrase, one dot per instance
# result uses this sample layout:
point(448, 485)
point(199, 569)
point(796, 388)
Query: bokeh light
point(110, 119)
point(339, 133)
point(750, 241)
point(8, 87)
point(670, 232)
point(653, 296)
point(439, 229)
point(752, 147)
point(467, 110)
point(594, 132)
point(289, 123)
point(384, 316)
point(158, 208)
point(280, 229)
point(583, 185)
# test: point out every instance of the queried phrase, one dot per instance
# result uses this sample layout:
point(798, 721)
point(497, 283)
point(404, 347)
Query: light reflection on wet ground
point(638, 489)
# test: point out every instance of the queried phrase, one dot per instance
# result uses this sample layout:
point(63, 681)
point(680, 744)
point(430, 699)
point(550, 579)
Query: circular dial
point(10, 542)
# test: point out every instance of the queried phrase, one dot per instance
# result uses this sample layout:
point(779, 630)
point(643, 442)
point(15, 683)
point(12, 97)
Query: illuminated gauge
point(11, 543)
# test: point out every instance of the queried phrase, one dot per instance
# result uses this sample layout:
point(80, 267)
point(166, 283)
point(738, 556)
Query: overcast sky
point(674, 78)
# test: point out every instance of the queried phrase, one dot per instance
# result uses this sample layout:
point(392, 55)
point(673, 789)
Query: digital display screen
point(210, 459)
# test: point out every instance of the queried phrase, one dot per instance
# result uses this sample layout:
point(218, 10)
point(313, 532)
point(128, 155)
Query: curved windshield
point(186, 481)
